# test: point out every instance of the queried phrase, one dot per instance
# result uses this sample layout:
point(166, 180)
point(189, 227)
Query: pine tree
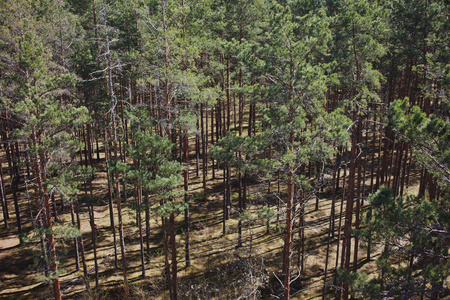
point(294, 90)
point(414, 236)
point(173, 66)
point(356, 48)
point(152, 171)
point(44, 125)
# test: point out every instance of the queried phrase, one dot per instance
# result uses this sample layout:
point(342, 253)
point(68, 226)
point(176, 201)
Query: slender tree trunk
point(43, 241)
point(197, 150)
point(91, 211)
point(113, 122)
point(244, 190)
point(212, 143)
point(422, 185)
point(400, 168)
point(346, 250)
point(330, 231)
point(27, 162)
point(240, 120)
point(218, 121)
point(75, 240)
point(186, 198)
point(139, 221)
point(372, 171)
point(409, 167)
point(346, 245)
point(166, 254)
point(147, 223)
point(13, 173)
point(224, 215)
point(174, 256)
point(89, 142)
point(206, 142)
point(240, 208)
point(122, 240)
point(338, 175)
point(403, 175)
point(250, 122)
point(289, 216)
point(3, 196)
point(336, 169)
point(83, 256)
point(81, 150)
point(254, 119)
point(228, 94)
point(228, 190)
point(203, 148)
point(97, 147)
point(390, 166)
point(359, 195)
point(110, 198)
point(85, 151)
point(301, 235)
point(338, 296)
point(43, 195)
point(288, 235)
point(94, 240)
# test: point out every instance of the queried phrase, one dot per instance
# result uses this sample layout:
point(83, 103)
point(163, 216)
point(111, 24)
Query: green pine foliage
point(153, 170)
point(271, 90)
point(412, 233)
point(429, 135)
point(292, 84)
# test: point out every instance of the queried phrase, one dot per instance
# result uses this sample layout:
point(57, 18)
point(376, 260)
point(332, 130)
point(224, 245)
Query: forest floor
point(219, 270)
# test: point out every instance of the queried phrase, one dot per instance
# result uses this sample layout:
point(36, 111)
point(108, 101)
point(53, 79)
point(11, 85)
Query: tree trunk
point(240, 208)
point(203, 148)
point(113, 123)
point(403, 176)
point(344, 187)
point(197, 150)
point(224, 215)
point(13, 174)
point(336, 169)
point(147, 223)
point(94, 240)
point(346, 250)
point(228, 181)
point(288, 235)
point(205, 155)
point(241, 103)
point(3, 196)
point(83, 256)
point(139, 221)
point(289, 219)
point(186, 198)
point(42, 193)
point(301, 241)
point(250, 116)
point(75, 240)
point(110, 198)
point(174, 256)
point(330, 230)
point(212, 143)
point(359, 194)
point(228, 95)
point(166, 254)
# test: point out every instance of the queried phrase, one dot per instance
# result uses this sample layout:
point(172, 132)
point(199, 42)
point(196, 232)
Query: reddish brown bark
point(186, 198)
point(3, 196)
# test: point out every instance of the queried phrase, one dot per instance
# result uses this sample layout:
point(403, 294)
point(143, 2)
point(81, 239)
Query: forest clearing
point(242, 149)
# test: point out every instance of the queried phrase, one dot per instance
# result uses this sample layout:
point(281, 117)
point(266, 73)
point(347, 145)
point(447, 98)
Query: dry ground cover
point(220, 270)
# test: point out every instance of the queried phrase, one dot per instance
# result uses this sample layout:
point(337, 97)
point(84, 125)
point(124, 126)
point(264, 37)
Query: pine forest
point(224, 149)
